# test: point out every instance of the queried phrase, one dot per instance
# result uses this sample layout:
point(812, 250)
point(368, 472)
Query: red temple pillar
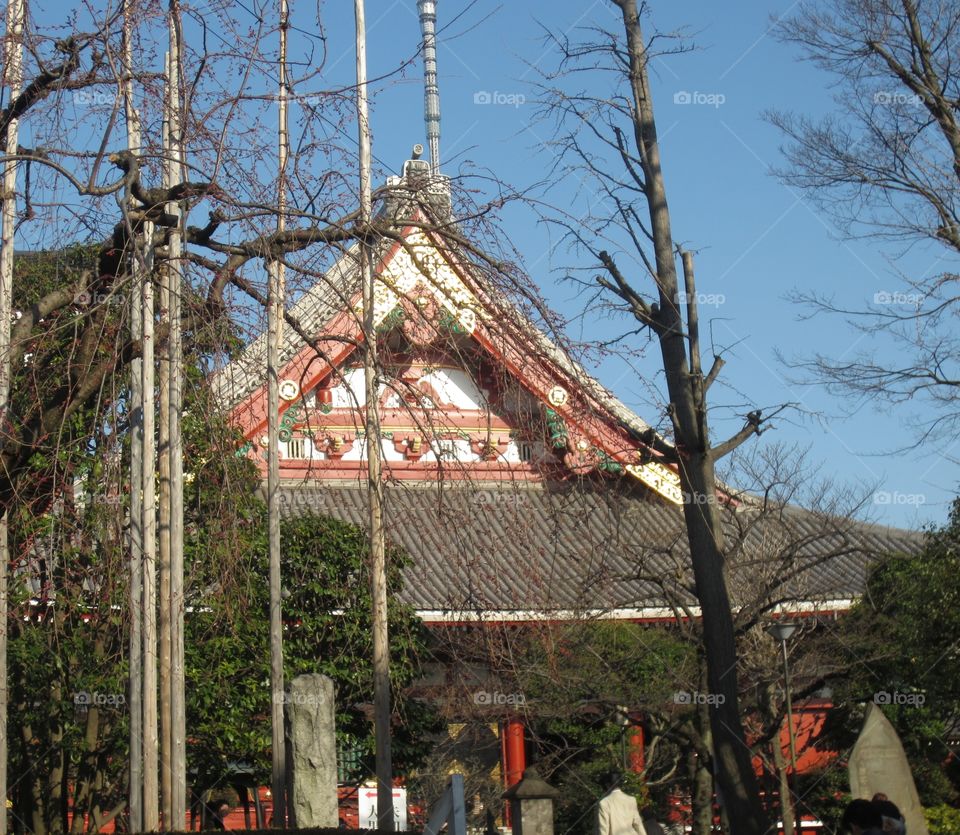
point(515, 753)
point(635, 755)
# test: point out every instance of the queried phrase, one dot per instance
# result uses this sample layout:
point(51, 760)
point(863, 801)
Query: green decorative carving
point(292, 416)
point(244, 449)
point(557, 430)
point(448, 322)
point(394, 319)
point(606, 464)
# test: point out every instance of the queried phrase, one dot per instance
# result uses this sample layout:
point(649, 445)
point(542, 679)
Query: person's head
point(879, 796)
point(223, 808)
point(892, 820)
point(859, 816)
point(612, 781)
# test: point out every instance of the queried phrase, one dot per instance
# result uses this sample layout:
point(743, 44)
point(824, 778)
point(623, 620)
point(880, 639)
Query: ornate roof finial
point(431, 94)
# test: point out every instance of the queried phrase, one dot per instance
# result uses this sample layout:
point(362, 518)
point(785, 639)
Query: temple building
point(522, 490)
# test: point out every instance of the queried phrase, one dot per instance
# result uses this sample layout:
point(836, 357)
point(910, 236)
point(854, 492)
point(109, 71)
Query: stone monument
point(312, 751)
point(878, 764)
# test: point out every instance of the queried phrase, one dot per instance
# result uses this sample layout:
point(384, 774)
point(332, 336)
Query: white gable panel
point(456, 387)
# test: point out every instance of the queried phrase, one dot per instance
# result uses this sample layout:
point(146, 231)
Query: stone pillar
point(531, 804)
point(312, 751)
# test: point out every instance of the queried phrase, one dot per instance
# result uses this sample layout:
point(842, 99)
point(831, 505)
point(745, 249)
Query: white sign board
point(367, 801)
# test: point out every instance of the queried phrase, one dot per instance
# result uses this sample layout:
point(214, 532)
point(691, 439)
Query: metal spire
point(431, 94)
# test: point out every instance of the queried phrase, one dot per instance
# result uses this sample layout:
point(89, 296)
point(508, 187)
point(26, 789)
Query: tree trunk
point(701, 798)
point(31, 793)
point(701, 784)
point(738, 783)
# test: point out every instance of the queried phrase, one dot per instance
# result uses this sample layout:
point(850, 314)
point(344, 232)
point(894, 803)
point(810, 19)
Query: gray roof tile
point(483, 549)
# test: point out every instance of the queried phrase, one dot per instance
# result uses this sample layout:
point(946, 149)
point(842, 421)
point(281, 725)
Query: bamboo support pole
point(135, 638)
point(375, 496)
point(275, 307)
point(13, 81)
point(174, 168)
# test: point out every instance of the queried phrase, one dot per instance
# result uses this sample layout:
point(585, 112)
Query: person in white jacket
point(617, 812)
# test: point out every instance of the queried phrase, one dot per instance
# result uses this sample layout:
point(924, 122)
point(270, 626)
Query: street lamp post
point(782, 631)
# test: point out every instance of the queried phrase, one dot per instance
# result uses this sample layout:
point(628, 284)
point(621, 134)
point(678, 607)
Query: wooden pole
point(151, 784)
point(275, 308)
point(163, 465)
point(13, 81)
point(135, 694)
point(178, 716)
point(378, 576)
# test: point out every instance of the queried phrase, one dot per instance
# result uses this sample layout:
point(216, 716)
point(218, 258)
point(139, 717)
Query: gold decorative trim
point(660, 479)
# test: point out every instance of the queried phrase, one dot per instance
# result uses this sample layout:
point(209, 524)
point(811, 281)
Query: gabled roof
point(421, 260)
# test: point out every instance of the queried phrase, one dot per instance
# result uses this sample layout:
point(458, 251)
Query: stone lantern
point(531, 804)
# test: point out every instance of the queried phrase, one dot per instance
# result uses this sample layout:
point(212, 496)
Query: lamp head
point(782, 630)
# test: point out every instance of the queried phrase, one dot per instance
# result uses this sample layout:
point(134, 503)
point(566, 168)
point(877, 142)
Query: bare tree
point(72, 337)
point(612, 140)
point(886, 165)
point(77, 189)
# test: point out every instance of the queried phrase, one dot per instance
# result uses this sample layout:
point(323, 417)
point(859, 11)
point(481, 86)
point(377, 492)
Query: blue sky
point(757, 240)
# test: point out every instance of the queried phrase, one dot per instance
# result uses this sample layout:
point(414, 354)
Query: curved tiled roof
point(587, 545)
point(490, 550)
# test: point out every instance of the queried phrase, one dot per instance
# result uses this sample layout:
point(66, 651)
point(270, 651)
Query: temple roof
point(328, 296)
point(606, 537)
point(525, 551)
